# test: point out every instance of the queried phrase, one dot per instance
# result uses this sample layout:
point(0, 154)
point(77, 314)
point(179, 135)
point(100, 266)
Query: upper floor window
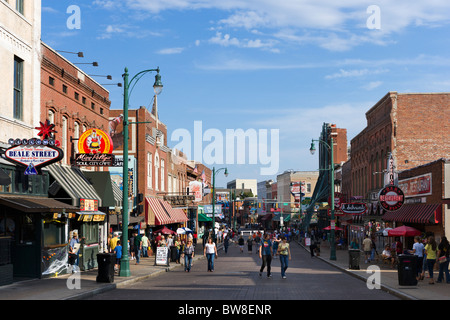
point(19, 6)
point(18, 88)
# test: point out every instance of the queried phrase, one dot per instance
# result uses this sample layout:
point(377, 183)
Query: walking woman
point(188, 255)
point(285, 255)
point(210, 252)
point(443, 255)
point(431, 252)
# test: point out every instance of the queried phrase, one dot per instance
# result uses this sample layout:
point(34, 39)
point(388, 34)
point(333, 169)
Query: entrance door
point(26, 246)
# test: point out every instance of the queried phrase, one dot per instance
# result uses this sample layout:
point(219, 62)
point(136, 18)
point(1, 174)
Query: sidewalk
point(58, 288)
point(388, 278)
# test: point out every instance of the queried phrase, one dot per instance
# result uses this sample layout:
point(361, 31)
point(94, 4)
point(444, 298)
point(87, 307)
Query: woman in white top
point(210, 252)
point(418, 250)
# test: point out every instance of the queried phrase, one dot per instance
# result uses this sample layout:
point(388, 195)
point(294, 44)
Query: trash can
point(353, 258)
point(407, 270)
point(173, 254)
point(106, 262)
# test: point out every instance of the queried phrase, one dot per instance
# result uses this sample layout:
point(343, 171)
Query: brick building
point(414, 127)
point(71, 100)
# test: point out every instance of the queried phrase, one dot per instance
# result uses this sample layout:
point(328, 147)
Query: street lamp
point(157, 87)
point(214, 171)
point(332, 229)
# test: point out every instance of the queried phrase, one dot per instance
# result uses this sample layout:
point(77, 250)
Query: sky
point(276, 70)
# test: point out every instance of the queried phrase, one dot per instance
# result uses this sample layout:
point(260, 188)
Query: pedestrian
point(188, 255)
point(367, 247)
point(113, 241)
point(418, 250)
point(265, 253)
point(354, 244)
point(226, 242)
point(285, 255)
point(131, 247)
point(137, 247)
point(177, 244)
point(249, 244)
point(74, 252)
point(431, 252)
point(118, 252)
point(443, 255)
point(145, 245)
point(241, 243)
point(210, 252)
point(276, 242)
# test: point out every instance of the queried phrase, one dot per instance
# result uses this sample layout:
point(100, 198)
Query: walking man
point(265, 253)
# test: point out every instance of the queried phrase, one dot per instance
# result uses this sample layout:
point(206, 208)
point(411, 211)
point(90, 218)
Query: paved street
point(236, 277)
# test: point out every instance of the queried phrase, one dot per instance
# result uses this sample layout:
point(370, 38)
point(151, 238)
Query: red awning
point(416, 213)
point(176, 215)
point(155, 213)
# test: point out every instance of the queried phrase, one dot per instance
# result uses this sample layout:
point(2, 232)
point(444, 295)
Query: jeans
point(284, 258)
point(138, 255)
point(443, 268)
point(187, 262)
point(145, 252)
point(419, 265)
point(430, 264)
point(266, 260)
point(210, 258)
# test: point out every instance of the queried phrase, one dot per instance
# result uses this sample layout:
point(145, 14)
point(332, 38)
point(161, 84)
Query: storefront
point(33, 227)
point(71, 185)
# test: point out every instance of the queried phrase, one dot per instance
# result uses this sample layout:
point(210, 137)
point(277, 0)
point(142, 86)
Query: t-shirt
point(118, 251)
point(137, 241)
point(266, 247)
point(210, 247)
point(431, 254)
point(367, 244)
point(283, 248)
point(386, 253)
point(113, 242)
point(418, 247)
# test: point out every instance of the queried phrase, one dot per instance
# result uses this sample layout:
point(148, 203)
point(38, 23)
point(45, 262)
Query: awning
point(73, 182)
point(416, 213)
point(267, 217)
point(177, 215)
point(286, 217)
point(91, 213)
point(203, 218)
point(36, 205)
point(155, 213)
point(101, 181)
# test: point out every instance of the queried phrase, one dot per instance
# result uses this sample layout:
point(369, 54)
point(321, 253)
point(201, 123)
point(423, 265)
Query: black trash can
point(353, 258)
point(106, 262)
point(407, 270)
point(173, 254)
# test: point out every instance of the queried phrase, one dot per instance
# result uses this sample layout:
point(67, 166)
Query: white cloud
point(354, 73)
point(171, 51)
point(372, 85)
point(226, 41)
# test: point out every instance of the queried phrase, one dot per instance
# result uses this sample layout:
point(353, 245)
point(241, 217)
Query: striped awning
point(177, 215)
point(155, 213)
point(416, 213)
point(73, 182)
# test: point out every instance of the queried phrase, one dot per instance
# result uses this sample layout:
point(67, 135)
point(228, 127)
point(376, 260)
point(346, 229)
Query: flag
point(195, 169)
point(203, 176)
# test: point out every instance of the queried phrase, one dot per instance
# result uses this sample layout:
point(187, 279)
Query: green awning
point(286, 217)
point(204, 218)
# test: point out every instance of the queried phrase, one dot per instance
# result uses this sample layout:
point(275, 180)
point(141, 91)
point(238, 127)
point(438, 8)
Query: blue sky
point(288, 65)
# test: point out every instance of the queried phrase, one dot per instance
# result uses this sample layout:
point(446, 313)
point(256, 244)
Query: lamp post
point(125, 263)
point(332, 229)
point(214, 171)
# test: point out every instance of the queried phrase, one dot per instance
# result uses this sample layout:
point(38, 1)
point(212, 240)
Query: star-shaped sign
point(46, 130)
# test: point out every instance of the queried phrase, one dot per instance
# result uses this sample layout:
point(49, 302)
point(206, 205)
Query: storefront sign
point(96, 159)
point(95, 149)
point(391, 198)
point(33, 154)
point(162, 256)
point(196, 189)
point(88, 205)
point(417, 186)
point(354, 208)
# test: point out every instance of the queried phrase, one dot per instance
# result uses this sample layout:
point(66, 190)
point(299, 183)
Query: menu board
point(162, 256)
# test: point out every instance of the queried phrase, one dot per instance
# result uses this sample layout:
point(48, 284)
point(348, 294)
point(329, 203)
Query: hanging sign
point(33, 154)
point(354, 208)
point(95, 149)
point(391, 198)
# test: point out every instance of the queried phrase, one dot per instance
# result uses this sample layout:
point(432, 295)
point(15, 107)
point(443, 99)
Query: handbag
point(443, 259)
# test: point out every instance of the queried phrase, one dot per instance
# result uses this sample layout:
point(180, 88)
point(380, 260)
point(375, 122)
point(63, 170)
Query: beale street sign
point(391, 198)
point(33, 154)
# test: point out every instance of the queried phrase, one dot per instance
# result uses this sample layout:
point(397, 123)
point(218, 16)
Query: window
point(76, 135)
point(77, 96)
point(64, 88)
point(156, 172)
point(18, 88)
point(19, 6)
point(162, 175)
point(51, 116)
point(64, 136)
point(92, 106)
point(149, 170)
point(51, 81)
point(83, 100)
point(101, 110)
